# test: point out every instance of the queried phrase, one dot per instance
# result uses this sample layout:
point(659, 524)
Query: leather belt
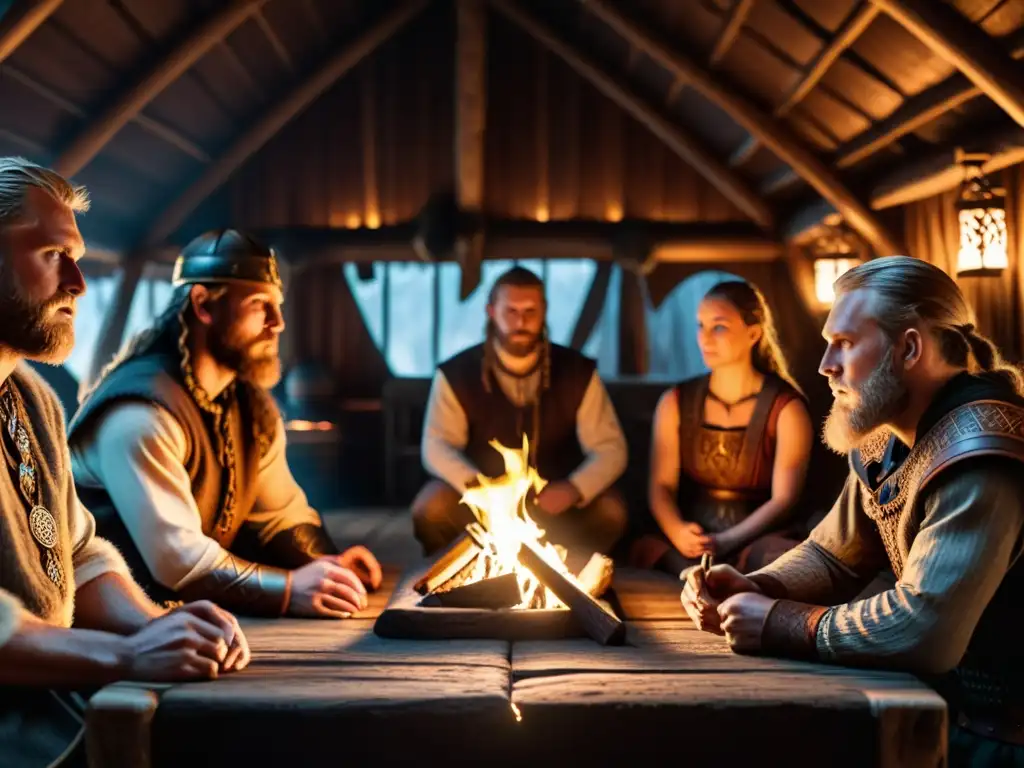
point(1007, 725)
point(729, 494)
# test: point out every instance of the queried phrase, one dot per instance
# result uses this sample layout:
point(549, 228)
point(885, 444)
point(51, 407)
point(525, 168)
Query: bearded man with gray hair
point(933, 422)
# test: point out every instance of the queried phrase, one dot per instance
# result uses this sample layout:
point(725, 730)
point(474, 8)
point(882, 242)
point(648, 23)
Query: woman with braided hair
point(730, 448)
point(932, 421)
point(180, 450)
point(516, 383)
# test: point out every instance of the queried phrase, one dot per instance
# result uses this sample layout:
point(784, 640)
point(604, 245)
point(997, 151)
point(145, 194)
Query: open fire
point(503, 561)
point(500, 508)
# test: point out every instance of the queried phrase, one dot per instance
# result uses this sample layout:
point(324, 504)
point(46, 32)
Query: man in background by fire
point(518, 383)
point(180, 450)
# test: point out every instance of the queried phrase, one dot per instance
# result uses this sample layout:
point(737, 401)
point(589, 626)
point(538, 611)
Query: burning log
point(598, 622)
point(460, 554)
point(596, 575)
point(494, 593)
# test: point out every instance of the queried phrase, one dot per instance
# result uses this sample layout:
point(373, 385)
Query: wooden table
point(324, 690)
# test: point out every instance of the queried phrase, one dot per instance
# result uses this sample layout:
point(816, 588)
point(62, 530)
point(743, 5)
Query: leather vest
point(156, 378)
point(990, 677)
point(725, 473)
point(550, 423)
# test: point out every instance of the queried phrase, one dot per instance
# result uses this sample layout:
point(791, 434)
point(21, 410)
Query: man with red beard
point(71, 616)
point(933, 423)
point(180, 450)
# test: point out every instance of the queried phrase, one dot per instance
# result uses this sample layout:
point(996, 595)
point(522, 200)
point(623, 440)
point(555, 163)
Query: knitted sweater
point(24, 585)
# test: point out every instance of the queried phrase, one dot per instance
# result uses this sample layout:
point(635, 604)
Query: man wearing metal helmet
point(180, 450)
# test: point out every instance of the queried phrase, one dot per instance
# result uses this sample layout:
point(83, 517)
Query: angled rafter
point(774, 135)
point(129, 104)
point(731, 30)
point(155, 127)
point(21, 20)
point(917, 111)
point(275, 42)
point(679, 141)
point(847, 35)
point(964, 45)
point(277, 117)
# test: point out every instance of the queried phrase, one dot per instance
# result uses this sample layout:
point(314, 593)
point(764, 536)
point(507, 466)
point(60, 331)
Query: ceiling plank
point(774, 135)
point(129, 104)
point(916, 112)
point(852, 28)
point(155, 127)
point(969, 48)
point(21, 20)
point(687, 147)
point(277, 117)
point(731, 31)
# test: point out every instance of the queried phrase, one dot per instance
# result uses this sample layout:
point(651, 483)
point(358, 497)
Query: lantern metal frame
point(840, 249)
point(981, 221)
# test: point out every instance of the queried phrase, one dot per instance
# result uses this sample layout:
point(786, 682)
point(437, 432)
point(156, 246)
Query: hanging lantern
point(982, 215)
point(834, 252)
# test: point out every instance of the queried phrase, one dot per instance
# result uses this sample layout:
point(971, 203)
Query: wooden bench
point(330, 690)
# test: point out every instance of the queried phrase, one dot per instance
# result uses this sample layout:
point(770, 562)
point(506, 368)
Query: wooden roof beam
point(852, 28)
point(964, 45)
point(770, 132)
point(129, 103)
point(916, 112)
point(260, 132)
point(733, 25)
point(22, 19)
point(687, 147)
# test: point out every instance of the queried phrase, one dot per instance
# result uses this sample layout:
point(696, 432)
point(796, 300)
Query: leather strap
point(1005, 726)
point(243, 587)
point(299, 546)
point(791, 630)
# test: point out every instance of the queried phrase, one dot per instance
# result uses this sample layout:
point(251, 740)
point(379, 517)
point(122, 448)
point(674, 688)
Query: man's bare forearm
point(112, 603)
point(38, 654)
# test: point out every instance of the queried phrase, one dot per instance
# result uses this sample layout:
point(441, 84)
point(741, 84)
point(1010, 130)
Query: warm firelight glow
point(301, 425)
point(372, 219)
point(353, 221)
point(826, 272)
point(499, 505)
point(542, 213)
point(982, 239)
point(613, 212)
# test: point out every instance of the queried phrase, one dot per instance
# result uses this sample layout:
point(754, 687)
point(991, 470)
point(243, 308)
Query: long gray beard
point(882, 396)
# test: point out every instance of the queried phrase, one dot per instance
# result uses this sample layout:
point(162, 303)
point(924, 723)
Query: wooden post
point(470, 131)
point(679, 141)
point(260, 132)
point(964, 45)
point(773, 134)
point(128, 104)
point(22, 19)
point(593, 306)
point(116, 318)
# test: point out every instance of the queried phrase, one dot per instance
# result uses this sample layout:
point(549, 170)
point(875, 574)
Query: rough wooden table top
point(333, 690)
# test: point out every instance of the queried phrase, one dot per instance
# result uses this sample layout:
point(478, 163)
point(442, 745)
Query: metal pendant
point(54, 570)
point(43, 527)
